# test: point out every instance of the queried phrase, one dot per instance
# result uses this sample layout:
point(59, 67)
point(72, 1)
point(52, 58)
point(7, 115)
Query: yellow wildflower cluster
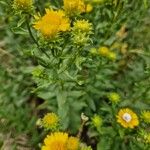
point(74, 6)
point(60, 141)
point(50, 121)
point(114, 97)
point(105, 52)
point(52, 23)
point(23, 5)
point(145, 115)
point(127, 118)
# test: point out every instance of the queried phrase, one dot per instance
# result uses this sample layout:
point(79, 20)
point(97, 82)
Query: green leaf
point(105, 143)
point(20, 30)
point(21, 21)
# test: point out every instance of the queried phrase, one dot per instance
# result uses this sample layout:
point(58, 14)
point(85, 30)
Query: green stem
point(34, 40)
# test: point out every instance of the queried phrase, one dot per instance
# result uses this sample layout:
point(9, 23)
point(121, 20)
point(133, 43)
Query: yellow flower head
point(82, 26)
point(56, 141)
point(97, 121)
point(146, 116)
point(73, 143)
point(24, 5)
point(50, 121)
point(114, 97)
point(89, 8)
point(104, 51)
point(127, 118)
point(52, 23)
point(74, 6)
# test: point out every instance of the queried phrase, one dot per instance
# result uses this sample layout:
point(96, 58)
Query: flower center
point(127, 117)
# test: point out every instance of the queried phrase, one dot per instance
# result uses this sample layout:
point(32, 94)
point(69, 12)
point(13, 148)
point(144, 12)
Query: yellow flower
point(97, 121)
point(82, 26)
point(74, 6)
point(73, 143)
point(127, 118)
point(114, 97)
point(24, 5)
point(89, 8)
point(50, 121)
point(52, 23)
point(104, 51)
point(56, 141)
point(146, 116)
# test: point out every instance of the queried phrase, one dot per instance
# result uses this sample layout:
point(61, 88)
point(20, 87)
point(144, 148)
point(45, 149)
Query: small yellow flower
point(82, 26)
point(89, 8)
point(74, 6)
point(56, 141)
point(52, 23)
point(104, 51)
point(97, 121)
point(50, 121)
point(73, 143)
point(114, 97)
point(127, 118)
point(145, 115)
point(112, 56)
point(24, 5)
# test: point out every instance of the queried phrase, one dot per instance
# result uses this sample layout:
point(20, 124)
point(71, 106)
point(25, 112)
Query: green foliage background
point(30, 87)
